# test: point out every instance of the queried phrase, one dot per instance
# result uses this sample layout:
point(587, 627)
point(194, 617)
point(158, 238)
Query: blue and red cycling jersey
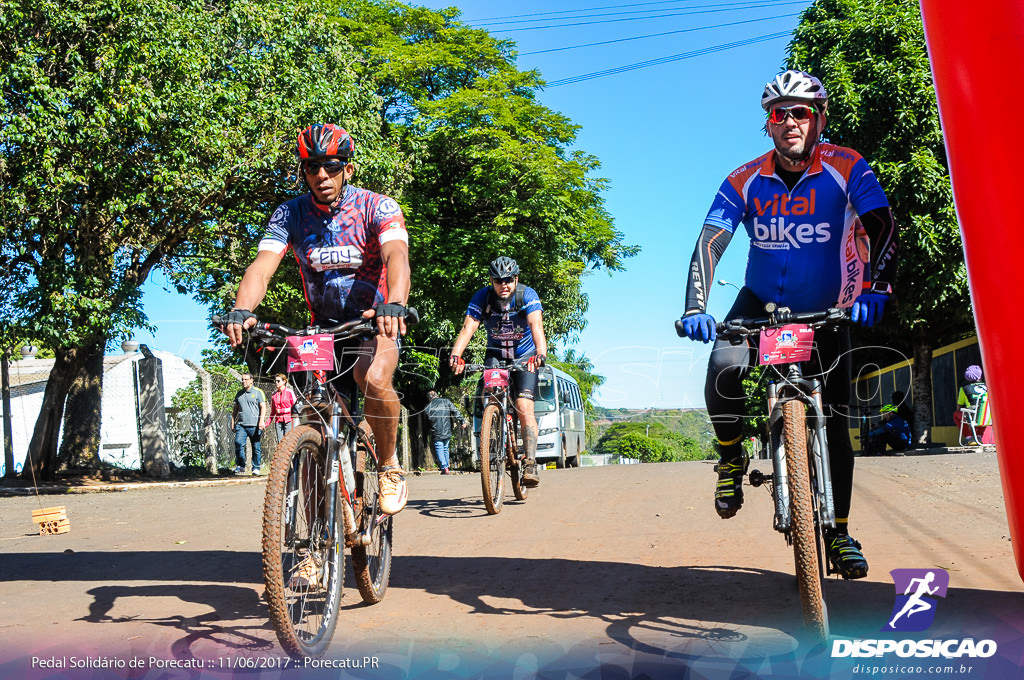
point(338, 249)
point(508, 334)
point(808, 251)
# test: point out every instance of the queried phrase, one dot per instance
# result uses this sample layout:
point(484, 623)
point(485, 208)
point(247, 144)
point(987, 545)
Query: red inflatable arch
point(977, 57)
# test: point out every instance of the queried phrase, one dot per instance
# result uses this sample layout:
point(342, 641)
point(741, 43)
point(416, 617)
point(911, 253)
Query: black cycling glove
point(390, 309)
point(239, 316)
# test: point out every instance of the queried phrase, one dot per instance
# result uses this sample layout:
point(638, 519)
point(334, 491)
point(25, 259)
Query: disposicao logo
point(913, 611)
point(916, 590)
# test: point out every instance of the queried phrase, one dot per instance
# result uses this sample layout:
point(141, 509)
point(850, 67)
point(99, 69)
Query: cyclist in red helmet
point(353, 252)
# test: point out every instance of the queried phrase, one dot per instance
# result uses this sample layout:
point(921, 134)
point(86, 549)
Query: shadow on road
point(682, 612)
point(456, 508)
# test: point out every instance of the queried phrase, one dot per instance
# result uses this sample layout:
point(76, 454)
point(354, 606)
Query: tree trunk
point(42, 449)
point(80, 445)
point(922, 385)
point(5, 390)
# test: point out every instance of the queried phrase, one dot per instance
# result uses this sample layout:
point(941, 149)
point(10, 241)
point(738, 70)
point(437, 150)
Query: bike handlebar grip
point(217, 320)
point(679, 328)
point(411, 315)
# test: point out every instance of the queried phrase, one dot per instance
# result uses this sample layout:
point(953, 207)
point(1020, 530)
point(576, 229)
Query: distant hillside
point(690, 423)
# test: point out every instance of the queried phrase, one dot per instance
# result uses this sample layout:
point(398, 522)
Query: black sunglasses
point(333, 167)
point(506, 280)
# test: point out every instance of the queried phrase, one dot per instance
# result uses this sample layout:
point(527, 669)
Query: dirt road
point(625, 569)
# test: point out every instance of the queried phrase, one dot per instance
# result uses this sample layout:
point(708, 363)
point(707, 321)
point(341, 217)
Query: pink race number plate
point(310, 353)
point(786, 344)
point(495, 377)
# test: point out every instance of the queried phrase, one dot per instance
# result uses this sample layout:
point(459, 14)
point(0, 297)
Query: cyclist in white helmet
point(803, 205)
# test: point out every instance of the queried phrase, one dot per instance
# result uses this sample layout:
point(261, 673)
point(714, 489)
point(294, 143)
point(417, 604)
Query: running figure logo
point(914, 609)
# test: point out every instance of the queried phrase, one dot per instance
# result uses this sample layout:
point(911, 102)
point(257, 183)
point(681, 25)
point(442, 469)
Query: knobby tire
point(492, 458)
point(295, 527)
point(371, 563)
point(802, 528)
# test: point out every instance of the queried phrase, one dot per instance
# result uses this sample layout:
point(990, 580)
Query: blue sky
point(666, 136)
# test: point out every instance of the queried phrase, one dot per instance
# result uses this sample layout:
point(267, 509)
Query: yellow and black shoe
point(845, 555)
point(729, 490)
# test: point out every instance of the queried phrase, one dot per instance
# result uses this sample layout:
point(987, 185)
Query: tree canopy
point(153, 134)
point(133, 132)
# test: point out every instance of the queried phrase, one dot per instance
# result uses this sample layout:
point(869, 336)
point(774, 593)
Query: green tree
point(490, 168)
point(648, 442)
point(133, 132)
point(872, 57)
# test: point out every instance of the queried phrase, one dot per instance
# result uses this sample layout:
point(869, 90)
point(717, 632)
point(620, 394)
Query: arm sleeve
point(884, 239)
point(710, 246)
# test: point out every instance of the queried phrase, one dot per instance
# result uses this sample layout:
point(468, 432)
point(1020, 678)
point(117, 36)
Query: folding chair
point(973, 419)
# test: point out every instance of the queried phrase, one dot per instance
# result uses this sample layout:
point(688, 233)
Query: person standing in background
point(441, 413)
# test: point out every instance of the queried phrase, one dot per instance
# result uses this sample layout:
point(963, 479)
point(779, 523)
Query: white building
point(119, 431)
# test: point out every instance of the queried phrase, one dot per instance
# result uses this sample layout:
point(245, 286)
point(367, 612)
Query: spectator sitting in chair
point(892, 431)
point(974, 396)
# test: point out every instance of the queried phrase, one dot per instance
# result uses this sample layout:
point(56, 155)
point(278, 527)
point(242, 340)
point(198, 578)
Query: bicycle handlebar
point(518, 363)
point(349, 329)
point(743, 327)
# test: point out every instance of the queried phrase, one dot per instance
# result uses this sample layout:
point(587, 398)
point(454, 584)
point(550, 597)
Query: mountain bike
point(800, 483)
point(322, 493)
point(499, 437)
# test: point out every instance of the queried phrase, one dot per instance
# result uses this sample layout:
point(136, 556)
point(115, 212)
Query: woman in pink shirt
point(281, 403)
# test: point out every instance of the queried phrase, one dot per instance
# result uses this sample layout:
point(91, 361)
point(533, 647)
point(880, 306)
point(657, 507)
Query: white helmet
point(794, 85)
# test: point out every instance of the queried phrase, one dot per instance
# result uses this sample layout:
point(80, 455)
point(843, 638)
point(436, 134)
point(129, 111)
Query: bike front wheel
point(806, 544)
point(492, 458)
point(303, 559)
point(371, 563)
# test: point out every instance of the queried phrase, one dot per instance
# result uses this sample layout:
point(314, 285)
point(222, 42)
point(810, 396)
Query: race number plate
point(786, 344)
point(310, 353)
point(495, 377)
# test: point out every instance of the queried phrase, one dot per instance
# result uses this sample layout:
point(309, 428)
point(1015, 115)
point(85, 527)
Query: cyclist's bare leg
point(528, 426)
point(528, 423)
point(373, 372)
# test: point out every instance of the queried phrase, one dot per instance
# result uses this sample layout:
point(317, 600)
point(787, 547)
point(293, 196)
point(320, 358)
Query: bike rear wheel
point(303, 559)
point(371, 563)
point(516, 471)
point(492, 458)
point(803, 530)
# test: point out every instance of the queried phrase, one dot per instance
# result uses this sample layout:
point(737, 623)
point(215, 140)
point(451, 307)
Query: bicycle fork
point(818, 449)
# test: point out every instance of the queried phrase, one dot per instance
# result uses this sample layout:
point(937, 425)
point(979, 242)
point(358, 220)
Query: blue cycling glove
point(699, 327)
point(868, 309)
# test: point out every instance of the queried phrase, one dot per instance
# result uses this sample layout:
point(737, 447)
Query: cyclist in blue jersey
point(352, 249)
point(821, 235)
point(512, 315)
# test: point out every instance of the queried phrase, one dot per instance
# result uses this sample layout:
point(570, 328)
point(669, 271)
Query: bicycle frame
point(342, 436)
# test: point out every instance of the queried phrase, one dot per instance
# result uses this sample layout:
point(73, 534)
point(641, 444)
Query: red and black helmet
point(325, 139)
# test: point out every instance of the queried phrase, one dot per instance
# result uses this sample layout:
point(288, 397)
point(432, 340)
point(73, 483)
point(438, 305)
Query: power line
point(658, 35)
point(569, 11)
point(666, 60)
point(745, 6)
point(582, 14)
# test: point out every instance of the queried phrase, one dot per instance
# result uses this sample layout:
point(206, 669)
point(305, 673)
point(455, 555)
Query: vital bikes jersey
point(338, 249)
point(808, 251)
point(508, 334)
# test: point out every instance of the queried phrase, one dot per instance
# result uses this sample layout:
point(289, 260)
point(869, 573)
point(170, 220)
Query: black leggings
point(726, 400)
